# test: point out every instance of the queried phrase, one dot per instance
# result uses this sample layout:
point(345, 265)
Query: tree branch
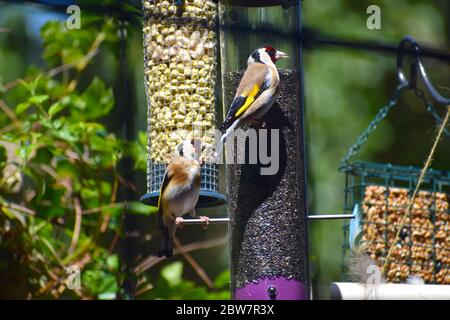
point(194, 264)
point(59, 69)
point(151, 260)
point(7, 110)
point(77, 226)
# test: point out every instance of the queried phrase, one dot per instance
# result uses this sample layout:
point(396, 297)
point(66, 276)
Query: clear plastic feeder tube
point(268, 217)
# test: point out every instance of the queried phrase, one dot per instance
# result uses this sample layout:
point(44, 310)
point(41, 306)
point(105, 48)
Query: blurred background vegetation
point(72, 146)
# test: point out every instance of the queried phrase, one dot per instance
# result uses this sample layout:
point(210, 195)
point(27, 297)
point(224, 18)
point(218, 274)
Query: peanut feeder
point(180, 78)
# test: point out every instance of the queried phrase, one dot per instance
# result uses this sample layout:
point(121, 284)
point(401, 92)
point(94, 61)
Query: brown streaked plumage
point(179, 192)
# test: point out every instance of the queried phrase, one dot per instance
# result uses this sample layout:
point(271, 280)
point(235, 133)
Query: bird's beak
point(280, 55)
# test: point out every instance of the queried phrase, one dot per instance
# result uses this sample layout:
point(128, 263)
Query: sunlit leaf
point(113, 262)
point(55, 108)
point(223, 279)
point(14, 214)
point(22, 107)
point(172, 273)
point(140, 208)
point(98, 100)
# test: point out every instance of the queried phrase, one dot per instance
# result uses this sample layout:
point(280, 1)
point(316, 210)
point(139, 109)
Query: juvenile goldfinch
point(256, 93)
point(179, 192)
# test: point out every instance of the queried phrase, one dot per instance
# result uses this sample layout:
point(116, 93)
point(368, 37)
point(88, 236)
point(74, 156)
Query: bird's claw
point(179, 222)
point(205, 221)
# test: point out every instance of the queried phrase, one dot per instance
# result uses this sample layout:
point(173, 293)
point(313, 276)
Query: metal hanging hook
point(416, 67)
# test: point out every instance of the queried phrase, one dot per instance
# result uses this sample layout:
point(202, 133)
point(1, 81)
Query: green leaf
point(54, 211)
point(22, 107)
point(39, 99)
point(87, 193)
point(65, 134)
point(114, 210)
point(31, 87)
point(51, 51)
point(172, 273)
point(142, 136)
point(43, 155)
point(140, 208)
point(97, 100)
point(199, 293)
point(138, 152)
point(100, 283)
point(14, 215)
point(223, 279)
point(113, 262)
point(108, 287)
point(73, 55)
point(36, 82)
point(106, 188)
point(26, 85)
point(3, 157)
point(65, 168)
point(55, 108)
point(218, 295)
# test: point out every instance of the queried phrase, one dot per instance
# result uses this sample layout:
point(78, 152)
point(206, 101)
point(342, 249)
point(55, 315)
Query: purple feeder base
point(279, 288)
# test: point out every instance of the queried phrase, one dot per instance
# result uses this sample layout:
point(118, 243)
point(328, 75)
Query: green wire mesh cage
point(378, 194)
point(416, 241)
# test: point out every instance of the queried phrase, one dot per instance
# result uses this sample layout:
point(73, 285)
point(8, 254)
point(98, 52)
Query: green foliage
point(60, 180)
point(135, 150)
point(102, 280)
point(171, 285)
point(344, 89)
point(59, 170)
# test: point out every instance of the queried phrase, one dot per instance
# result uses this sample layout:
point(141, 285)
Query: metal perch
point(311, 217)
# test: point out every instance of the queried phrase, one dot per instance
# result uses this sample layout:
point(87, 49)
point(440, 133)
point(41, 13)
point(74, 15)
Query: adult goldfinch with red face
point(179, 192)
point(256, 93)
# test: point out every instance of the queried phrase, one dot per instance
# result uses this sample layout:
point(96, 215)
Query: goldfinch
point(179, 192)
point(256, 93)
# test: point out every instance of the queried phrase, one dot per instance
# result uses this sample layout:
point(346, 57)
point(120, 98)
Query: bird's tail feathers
point(161, 225)
point(219, 147)
point(223, 139)
point(166, 244)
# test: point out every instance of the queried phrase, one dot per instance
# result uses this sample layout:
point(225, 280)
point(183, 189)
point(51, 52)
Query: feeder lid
point(372, 168)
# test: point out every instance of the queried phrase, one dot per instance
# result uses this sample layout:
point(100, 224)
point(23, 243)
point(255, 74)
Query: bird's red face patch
point(271, 51)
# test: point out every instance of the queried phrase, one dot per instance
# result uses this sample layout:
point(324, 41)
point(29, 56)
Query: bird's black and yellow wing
point(253, 83)
point(164, 185)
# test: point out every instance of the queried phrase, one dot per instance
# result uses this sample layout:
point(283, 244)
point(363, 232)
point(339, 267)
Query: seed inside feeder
point(180, 73)
point(180, 78)
point(426, 233)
